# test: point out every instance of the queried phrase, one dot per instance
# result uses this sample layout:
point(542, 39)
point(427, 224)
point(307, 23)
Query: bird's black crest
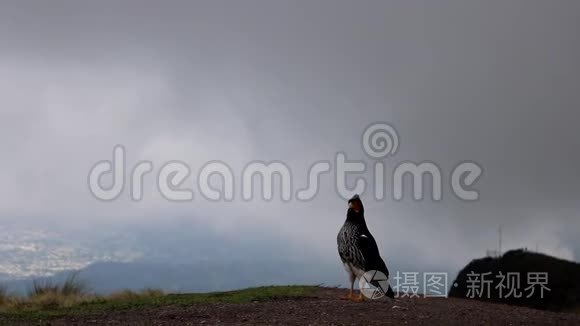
point(355, 197)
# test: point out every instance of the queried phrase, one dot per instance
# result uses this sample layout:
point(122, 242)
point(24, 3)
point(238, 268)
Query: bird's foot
point(360, 298)
point(347, 297)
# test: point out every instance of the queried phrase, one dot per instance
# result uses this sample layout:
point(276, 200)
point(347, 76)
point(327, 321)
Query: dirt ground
point(325, 308)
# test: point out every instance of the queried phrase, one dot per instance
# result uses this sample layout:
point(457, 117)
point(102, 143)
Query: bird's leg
point(349, 296)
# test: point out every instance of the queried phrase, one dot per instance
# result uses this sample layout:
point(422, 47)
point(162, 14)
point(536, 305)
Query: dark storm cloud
point(495, 82)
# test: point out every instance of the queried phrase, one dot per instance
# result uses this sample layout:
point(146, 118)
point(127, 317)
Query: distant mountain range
point(174, 257)
point(108, 277)
point(40, 251)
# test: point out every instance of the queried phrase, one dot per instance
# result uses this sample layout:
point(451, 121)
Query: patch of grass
point(126, 295)
point(128, 299)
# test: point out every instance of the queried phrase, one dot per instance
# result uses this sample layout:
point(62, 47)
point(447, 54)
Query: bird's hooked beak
point(354, 206)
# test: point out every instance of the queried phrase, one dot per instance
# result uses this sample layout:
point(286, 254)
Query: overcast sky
point(495, 82)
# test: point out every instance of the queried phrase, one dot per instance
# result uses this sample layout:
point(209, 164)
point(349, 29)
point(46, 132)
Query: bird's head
point(355, 205)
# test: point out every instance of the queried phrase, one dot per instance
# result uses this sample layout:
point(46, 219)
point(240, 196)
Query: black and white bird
point(357, 247)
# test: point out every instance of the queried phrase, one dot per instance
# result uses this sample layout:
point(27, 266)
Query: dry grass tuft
point(46, 294)
point(72, 286)
point(5, 296)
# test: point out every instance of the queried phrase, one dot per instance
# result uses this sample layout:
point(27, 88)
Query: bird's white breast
point(353, 269)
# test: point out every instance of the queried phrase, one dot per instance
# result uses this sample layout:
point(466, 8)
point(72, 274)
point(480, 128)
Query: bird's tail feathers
point(390, 292)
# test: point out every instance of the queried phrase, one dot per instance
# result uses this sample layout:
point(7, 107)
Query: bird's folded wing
point(371, 256)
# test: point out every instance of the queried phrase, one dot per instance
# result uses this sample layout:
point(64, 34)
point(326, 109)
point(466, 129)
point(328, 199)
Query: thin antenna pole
point(499, 232)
